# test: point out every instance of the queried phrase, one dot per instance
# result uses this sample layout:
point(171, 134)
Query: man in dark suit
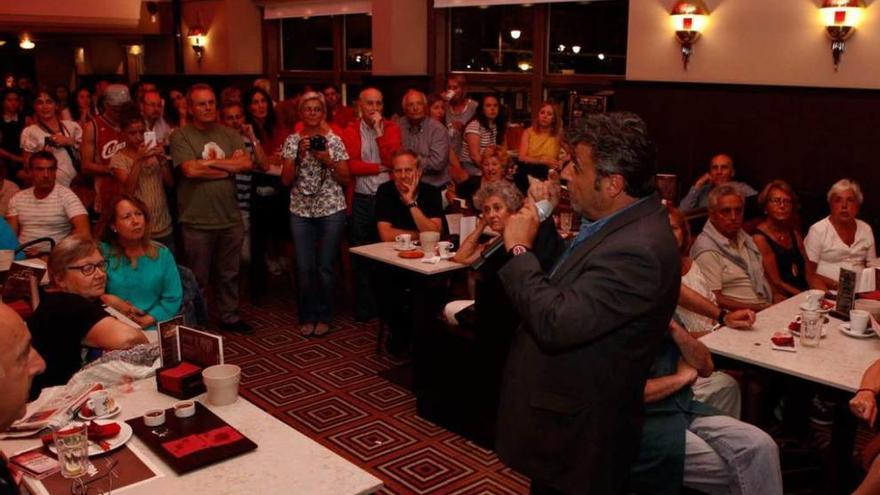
point(571, 402)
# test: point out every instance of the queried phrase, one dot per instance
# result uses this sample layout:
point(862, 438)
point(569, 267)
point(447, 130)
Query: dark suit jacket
point(572, 398)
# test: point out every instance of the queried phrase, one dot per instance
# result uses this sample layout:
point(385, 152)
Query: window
point(358, 42)
point(491, 39)
point(307, 43)
point(588, 38)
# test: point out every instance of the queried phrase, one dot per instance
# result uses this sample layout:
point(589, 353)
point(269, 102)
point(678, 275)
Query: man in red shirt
point(102, 138)
point(370, 141)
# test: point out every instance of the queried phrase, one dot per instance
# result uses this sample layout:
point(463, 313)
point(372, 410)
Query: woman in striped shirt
point(485, 129)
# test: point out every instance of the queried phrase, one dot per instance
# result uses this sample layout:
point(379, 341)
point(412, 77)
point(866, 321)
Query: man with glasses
point(47, 209)
point(209, 156)
point(728, 257)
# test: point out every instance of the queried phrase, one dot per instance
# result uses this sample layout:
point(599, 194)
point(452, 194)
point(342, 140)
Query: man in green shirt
point(209, 155)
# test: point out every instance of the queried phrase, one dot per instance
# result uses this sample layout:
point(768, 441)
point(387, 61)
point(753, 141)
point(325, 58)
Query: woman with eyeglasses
point(779, 239)
point(142, 278)
point(71, 315)
point(316, 166)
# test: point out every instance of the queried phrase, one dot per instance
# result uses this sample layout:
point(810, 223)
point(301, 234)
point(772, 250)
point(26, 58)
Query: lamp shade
point(689, 16)
point(197, 35)
point(842, 13)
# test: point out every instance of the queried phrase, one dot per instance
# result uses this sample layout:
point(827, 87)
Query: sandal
point(321, 329)
point(307, 329)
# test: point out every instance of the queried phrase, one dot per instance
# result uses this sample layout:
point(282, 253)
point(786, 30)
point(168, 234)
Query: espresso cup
point(403, 241)
point(429, 241)
point(444, 248)
point(859, 321)
point(100, 402)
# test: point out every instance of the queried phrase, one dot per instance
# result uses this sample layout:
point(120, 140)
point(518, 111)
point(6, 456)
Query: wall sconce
point(515, 33)
point(26, 42)
point(153, 10)
point(841, 18)
point(689, 18)
point(198, 39)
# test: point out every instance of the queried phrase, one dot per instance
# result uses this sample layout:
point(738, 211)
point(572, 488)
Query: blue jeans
point(316, 241)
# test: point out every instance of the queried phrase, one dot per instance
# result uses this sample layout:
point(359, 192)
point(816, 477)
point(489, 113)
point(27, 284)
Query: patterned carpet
point(328, 389)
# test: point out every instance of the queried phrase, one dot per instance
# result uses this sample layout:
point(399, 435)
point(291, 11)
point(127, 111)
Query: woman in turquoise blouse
point(142, 277)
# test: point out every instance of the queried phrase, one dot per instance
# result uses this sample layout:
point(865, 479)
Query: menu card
point(179, 343)
point(169, 349)
point(846, 294)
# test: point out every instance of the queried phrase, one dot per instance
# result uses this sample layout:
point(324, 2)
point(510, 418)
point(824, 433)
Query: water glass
point(811, 328)
point(72, 442)
point(565, 221)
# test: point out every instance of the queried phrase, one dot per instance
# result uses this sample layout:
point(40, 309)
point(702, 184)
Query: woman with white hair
point(839, 240)
point(316, 166)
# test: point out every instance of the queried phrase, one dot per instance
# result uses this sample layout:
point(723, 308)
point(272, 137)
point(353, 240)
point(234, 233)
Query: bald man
point(19, 363)
point(370, 141)
point(721, 171)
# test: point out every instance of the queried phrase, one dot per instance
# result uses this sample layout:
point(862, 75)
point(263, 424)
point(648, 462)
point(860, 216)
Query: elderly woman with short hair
point(839, 240)
point(71, 315)
point(495, 165)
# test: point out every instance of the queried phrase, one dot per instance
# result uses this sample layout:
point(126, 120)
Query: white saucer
point(109, 414)
point(412, 247)
point(114, 443)
point(844, 329)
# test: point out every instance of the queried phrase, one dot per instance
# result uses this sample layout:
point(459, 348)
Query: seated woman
point(494, 164)
point(142, 278)
point(839, 240)
point(539, 147)
point(780, 241)
point(71, 315)
point(863, 405)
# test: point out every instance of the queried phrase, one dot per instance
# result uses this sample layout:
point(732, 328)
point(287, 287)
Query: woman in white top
point(839, 240)
point(59, 137)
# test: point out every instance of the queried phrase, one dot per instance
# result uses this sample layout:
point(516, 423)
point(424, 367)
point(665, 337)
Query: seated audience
point(494, 166)
point(61, 138)
point(71, 315)
point(864, 406)
point(47, 209)
point(405, 205)
point(142, 277)
point(426, 137)
point(540, 145)
point(779, 239)
point(728, 257)
point(486, 129)
point(699, 315)
point(687, 443)
point(8, 188)
point(144, 173)
point(720, 172)
point(316, 166)
point(839, 240)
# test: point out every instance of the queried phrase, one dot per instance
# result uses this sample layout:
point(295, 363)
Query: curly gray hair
point(503, 189)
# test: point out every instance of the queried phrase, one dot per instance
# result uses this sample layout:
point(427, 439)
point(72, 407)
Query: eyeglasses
point(780, 201)
point(89, 268)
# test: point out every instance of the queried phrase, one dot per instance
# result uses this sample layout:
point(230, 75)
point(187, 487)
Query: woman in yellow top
point(539, 146)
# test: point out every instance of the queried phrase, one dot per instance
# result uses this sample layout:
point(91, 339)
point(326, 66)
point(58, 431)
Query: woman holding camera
point(59, 137)
point(316, 166)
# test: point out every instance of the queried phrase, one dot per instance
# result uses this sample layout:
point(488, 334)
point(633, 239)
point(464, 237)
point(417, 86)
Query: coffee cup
point(429, 241)
point(859, 321)
point(403, 241)
point(100, 403)
point(869, 305)
point(444, 248)
point(814, 299)
point(221, 382)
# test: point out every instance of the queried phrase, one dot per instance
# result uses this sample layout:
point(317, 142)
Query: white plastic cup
point(221, 382)
point(428, 241)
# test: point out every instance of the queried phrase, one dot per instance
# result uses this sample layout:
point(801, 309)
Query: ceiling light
point(515, 33)
point(560, 48)
point(576, 49)
point(601, 56)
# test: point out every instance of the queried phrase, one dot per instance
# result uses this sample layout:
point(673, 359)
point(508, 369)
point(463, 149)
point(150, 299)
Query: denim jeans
point(316, 241)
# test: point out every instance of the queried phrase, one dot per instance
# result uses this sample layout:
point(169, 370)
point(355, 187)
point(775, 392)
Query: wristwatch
point(518, 250)
point(414, 204)
point(721, 315)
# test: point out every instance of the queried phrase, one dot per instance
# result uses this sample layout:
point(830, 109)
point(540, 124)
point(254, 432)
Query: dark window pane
point(588, 38)
point(307, 44)
point(491, 39)
point(358, 42)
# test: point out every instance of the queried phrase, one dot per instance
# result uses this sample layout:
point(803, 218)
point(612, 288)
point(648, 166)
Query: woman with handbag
point(316, 166)
point(62, 138)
